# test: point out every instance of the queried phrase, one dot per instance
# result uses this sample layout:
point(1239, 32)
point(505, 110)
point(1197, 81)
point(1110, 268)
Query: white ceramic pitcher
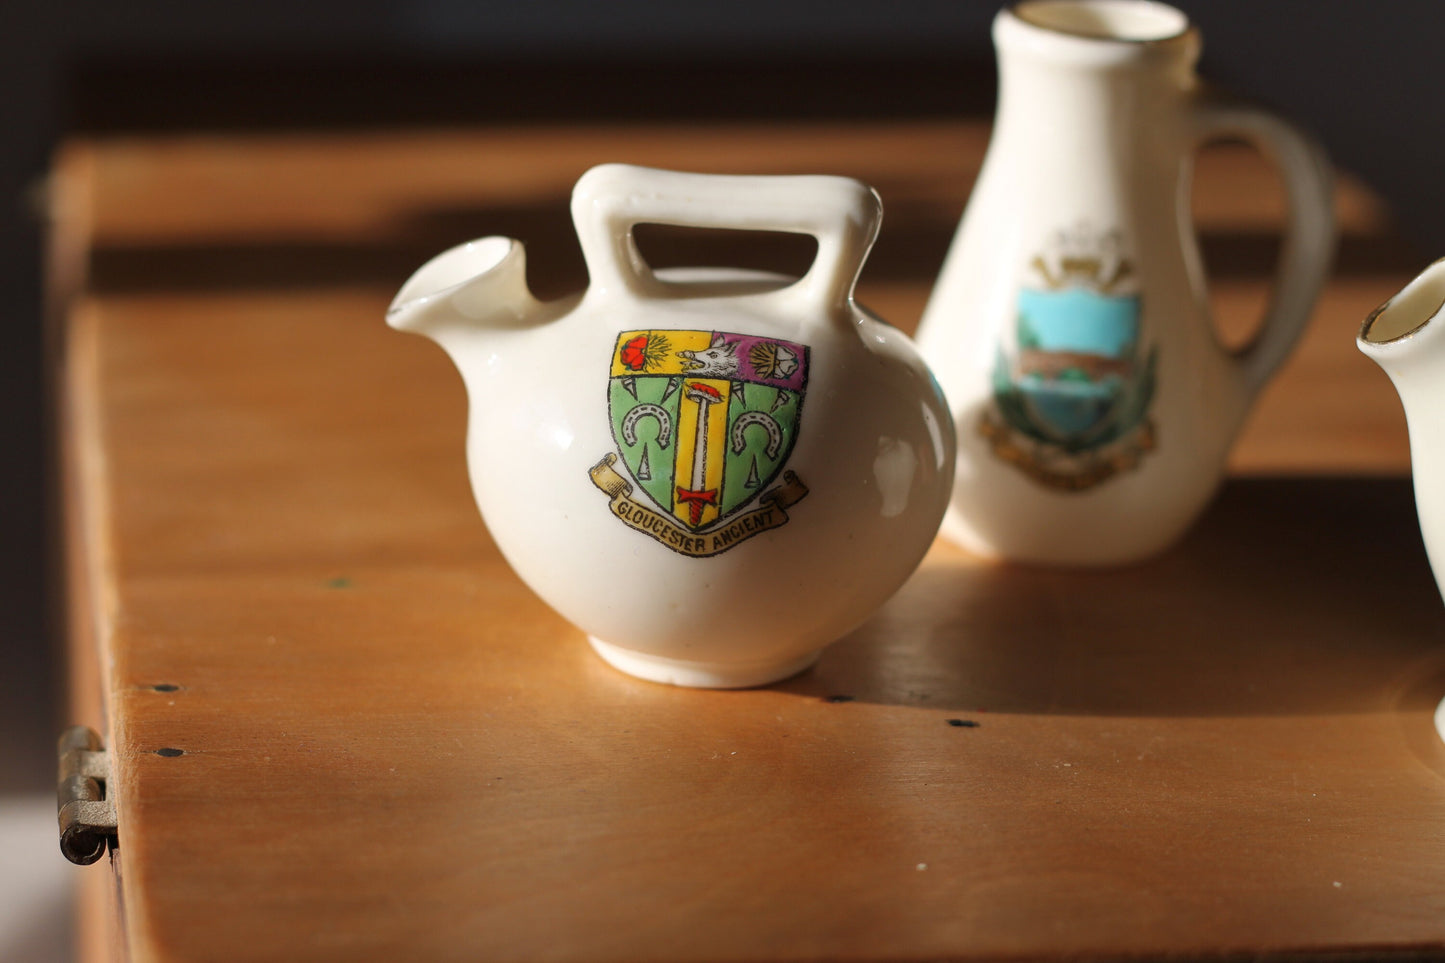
point(1405, 336)
point(1095, 405)
point(714, 473)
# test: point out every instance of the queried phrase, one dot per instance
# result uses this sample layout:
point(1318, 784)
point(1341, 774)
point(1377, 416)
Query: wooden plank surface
point(389, 749)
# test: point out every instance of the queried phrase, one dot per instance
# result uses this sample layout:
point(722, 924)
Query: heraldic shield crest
point(704, 422)
point(1072, 397)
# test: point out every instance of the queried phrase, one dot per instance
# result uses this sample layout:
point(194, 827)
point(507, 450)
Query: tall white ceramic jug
point(1405, 336)
point(1095, 405)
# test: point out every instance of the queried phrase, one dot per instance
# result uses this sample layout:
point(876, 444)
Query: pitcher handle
point(1309, 240)
point(841, 213)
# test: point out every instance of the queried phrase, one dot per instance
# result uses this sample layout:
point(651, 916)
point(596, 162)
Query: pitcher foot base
point(699, 675)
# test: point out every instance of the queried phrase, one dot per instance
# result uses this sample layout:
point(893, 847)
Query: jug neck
point(1102, 47)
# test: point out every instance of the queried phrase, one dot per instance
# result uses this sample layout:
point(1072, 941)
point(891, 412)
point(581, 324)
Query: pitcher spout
point(477, 286)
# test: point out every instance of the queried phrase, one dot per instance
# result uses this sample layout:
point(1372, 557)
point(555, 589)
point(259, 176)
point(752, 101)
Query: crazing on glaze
point(1071, 395)
point(704, 422)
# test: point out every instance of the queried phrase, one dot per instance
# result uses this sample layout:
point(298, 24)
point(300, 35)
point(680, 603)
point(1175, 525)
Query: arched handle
point(1309, 240)
point(843, 214)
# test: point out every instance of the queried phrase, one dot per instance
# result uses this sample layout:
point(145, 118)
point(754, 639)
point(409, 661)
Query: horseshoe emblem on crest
point(763, 420)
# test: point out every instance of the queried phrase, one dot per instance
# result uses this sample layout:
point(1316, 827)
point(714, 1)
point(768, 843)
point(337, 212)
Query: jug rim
point(1427, 287)
point(1074, 17)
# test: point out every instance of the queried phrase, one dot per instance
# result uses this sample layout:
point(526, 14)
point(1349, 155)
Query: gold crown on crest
point(1081, 256)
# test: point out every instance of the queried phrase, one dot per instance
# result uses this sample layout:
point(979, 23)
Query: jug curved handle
point(1309, 238)
point(841, 213)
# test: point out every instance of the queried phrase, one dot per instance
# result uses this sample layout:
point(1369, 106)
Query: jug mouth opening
point(1119, 21)
point(1408, 312)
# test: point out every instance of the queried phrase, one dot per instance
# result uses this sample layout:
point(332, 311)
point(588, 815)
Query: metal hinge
point(87, 816)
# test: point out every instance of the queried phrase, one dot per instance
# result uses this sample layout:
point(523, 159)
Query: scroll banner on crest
point(768, 515)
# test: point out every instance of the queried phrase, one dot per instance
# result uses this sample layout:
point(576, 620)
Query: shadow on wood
point(1291, 596)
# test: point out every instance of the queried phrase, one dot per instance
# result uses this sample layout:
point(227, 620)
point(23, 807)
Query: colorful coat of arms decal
point(1071, 399)
point(704, 423)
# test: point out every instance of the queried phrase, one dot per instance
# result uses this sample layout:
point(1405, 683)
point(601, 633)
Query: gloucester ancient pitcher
point(713, 473)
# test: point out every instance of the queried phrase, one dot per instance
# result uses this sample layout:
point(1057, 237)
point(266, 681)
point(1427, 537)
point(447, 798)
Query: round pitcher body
point(712, 473)
point(1094, 403)
point(714, 525)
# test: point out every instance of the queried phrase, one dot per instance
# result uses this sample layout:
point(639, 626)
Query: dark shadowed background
point(1361, 76)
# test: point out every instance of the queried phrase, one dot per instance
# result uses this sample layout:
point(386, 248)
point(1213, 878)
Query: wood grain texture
point(98, 927)
point(391, 750)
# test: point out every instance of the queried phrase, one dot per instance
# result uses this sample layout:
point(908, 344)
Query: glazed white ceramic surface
point(1083, 200)
point(846, 437)
point(1405, 336)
